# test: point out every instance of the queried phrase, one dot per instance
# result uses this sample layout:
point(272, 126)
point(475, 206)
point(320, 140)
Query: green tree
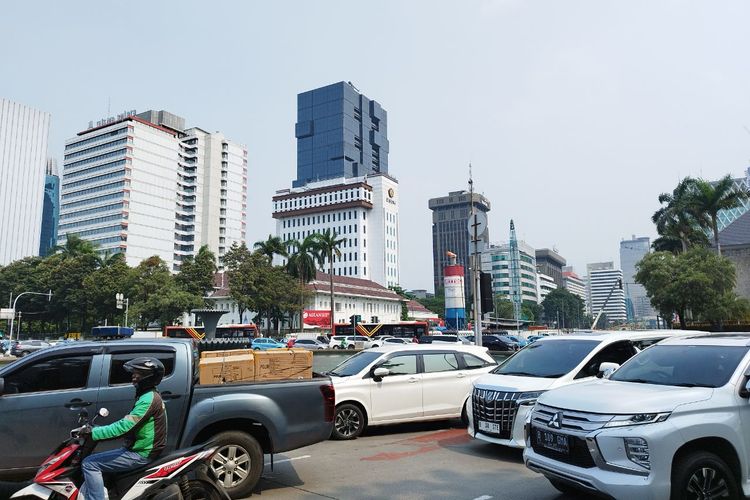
point(196, 275)
point(710, 198)
point(240, 266)
point(303, 263)
point(678, 219)
point(329, 246)
point(75, 246)
point(270, 247)
point(563, 306)
point(436, 303)
point(101, 286)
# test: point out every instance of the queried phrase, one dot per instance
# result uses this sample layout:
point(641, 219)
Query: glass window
point(547, 358)
point(437, 362)
point(118, 375)
point(618, 352)
point(472, 362)
point(402, 365)
point(56, 374)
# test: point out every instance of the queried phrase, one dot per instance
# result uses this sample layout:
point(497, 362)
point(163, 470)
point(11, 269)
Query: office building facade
point(604, 291)
point(144, 185)
point(361, 210)
point(24, 132)
point(551, 263)
point(340, 133)
point(50, 209)
point(450, 232)
point(574, 283)
point(496, 262)
point(631, 252)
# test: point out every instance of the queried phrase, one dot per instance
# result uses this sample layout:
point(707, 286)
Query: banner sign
point(318, 318)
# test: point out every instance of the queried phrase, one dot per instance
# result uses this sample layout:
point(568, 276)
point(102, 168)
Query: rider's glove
point(85, 431)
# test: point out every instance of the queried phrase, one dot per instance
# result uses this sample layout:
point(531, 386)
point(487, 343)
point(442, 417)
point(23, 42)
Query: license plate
point(552, 441)
point(489, 427)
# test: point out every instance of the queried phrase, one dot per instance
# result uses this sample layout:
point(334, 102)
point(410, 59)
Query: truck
point(42, 394)
point(672, 422)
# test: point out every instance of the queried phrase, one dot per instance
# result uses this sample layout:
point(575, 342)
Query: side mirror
point(379, 373)
point(744, 392)
point(606, 369)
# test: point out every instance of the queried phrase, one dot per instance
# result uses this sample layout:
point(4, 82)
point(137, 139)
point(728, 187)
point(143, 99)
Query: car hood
point(513, 383)
point(610, 396)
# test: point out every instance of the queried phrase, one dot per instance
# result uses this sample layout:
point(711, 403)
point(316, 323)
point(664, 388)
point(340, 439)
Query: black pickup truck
point(41, 394)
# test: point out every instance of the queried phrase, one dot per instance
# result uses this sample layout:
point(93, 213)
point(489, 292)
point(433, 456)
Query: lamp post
point(49, 297)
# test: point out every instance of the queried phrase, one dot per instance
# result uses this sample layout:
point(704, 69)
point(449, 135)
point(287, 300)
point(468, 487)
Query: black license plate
point(552, 441)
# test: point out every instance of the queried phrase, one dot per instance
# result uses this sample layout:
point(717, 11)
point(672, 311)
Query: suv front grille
point(570, 420)
point(578, 452)
point(495, 407)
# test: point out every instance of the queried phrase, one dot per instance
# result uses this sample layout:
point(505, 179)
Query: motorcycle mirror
point(103, 412)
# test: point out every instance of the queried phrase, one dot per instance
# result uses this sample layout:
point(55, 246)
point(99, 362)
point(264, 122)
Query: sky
point(575, 115)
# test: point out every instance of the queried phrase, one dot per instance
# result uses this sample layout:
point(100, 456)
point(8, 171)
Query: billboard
point(455, 302)
point(319, 318)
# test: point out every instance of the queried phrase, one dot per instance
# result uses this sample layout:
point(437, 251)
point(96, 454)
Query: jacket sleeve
point(125, 424)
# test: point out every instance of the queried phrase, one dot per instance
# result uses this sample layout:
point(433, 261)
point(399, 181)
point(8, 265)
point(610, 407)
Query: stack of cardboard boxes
point(219, 367)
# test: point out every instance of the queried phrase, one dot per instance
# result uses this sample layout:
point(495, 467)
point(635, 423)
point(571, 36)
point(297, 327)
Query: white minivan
point(408, 383)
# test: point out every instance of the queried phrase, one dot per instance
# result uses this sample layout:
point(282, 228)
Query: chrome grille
point(497, 407)
point(571, 420)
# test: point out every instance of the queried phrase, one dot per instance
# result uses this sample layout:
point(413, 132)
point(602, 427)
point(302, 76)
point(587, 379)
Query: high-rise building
point(340, 133)
point(546, 285)
point(23, 155)
point(450, 232)
point(549, 262)
point(574, 283)
point(496, 261)
point(145, 185)
point(361, 210)
point(631, 252)
point(51, 209)
point(605, 291)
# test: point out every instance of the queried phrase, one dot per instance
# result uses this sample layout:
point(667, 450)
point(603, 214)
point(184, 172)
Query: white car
point(350, 342)
point(379, 342)
point(502, 399)
point(410, 383)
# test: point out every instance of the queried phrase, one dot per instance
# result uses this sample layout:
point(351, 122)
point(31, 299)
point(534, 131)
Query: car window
point(405, 364)
point(617, 352)
point(55, 374)
point(440, 362)
point(118, 375)
point(549, 358)
point(473, 362)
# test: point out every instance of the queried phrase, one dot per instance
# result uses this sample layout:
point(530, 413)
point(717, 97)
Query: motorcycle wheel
point(203, 490)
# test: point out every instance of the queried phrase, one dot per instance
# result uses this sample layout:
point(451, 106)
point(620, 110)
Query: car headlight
point(637, 419)
point(637, 451)
point(529, 398)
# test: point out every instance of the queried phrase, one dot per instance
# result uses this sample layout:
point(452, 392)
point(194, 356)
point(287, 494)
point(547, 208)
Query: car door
point(397, 396)
point(40, 403)
point(117, 393)
point(445, 386)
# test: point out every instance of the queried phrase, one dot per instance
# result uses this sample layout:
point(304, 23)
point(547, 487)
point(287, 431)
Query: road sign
point(6, 313)
point(480, 219)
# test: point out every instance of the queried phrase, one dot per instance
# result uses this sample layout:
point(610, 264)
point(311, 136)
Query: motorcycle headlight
point(529, 398)
point(637, 419)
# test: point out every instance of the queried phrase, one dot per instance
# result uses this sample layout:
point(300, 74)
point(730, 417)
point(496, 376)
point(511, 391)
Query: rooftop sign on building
point(112, 119)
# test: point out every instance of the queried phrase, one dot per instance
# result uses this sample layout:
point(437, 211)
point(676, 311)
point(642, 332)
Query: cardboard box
point(220, 370)
point(283, 364)
point(221, 354)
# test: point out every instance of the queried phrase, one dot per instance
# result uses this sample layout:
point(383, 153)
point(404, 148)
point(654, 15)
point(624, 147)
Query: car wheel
point(256, 348)
point(566, 488)
point(703, 475)
point(350, 347)
point(24, 353)
point(348, 423)
point(464, 414)
point(237, 463)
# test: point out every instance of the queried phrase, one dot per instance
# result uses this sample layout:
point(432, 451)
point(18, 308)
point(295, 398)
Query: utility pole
point(475, 262)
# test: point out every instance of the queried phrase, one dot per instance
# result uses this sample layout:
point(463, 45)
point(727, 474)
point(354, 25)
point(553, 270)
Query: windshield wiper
point(523, 374)
point(637, 381)
point(332, 372)
point(554, 375)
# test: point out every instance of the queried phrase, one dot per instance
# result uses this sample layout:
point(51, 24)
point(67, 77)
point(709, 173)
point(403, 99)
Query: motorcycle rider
point(144, 429)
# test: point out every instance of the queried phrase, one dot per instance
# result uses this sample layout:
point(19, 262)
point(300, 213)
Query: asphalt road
point(414, 461)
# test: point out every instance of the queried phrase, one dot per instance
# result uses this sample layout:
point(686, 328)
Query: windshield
point(548, 358)
point(682, 365)
point(355, 364)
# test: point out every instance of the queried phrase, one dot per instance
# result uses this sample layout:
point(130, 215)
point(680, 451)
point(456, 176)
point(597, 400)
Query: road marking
point(483, 497)
point(288, 459)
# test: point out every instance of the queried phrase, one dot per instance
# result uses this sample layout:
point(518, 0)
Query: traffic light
point(355, 319)
point(485, 287)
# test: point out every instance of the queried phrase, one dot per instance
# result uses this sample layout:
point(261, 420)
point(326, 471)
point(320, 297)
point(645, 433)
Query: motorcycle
point(182, 475)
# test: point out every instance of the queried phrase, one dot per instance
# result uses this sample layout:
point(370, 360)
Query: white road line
point(483, 497)
point(293, 458)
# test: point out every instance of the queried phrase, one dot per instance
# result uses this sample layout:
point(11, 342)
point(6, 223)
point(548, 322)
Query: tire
point(566, 488)
point(348, 423)
point(203, 490)
point(237, 481)
point(702, 471)
point(351, 347)
point(464, 414)
point(335, 347)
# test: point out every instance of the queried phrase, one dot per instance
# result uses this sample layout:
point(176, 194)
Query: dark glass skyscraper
point(340, 133)
point(50, 210)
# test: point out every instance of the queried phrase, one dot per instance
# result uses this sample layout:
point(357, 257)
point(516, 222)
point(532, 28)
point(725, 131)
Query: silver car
point(310, 344)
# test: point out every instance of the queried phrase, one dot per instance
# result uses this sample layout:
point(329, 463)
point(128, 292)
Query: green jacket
point(144, 428)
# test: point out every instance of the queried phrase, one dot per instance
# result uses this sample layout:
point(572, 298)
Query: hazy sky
point(574, 114)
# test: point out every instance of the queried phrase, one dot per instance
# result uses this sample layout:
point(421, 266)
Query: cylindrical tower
point(455, 302)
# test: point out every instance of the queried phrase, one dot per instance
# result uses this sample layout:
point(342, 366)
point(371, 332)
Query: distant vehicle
point(25, 347)
point(263, 343)
point(349, 342)
point(444, 339)
point(522, 342)
point(391, 341)
point(111, 332)
point(496, 342)
point(403, 329)
point(233, 331)
point(310, 344)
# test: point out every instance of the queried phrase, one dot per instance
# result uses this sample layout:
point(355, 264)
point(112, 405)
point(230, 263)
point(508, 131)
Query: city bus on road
point(403, 329)
point(234, 331)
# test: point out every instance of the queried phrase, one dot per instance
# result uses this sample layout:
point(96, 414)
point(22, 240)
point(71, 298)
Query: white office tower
point(362, 210)
point(144, 185)
point(574, 283)
point(496, 262)
point(631, 253)
point(546, 285)
point(23, 159)
point(604, 281)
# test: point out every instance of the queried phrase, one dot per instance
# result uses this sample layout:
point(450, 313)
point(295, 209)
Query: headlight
point(637, 419)
point(637, 451)
point(529, 398)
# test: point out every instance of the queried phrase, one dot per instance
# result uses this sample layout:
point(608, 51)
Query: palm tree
point(303, 263)
point(711, 198)
point(75, 246)
point(329, 244)
point(678, 217)
point(272, 246)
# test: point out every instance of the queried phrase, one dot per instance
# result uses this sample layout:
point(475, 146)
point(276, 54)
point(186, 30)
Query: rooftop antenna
point(109, 106)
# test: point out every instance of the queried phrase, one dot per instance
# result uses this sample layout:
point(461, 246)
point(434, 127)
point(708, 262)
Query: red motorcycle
point(182, 475)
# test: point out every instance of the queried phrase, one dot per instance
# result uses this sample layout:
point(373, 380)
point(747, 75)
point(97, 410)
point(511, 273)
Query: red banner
point(317, 318)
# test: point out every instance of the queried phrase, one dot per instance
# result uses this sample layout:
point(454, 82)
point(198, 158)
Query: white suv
point(407, 383)
point(670, 423)
point(350, 342)
point(502, 399)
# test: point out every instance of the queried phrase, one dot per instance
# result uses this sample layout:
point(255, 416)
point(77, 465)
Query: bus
point(403, 329)
point(237, 331)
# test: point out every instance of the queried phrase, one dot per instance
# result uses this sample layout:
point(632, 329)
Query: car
point(264, 343)
point(443, 339)
point(407, 383)
point(391, 341)
point(310, 344)
point(350, 342)
point(24, 347)
point(522, 342)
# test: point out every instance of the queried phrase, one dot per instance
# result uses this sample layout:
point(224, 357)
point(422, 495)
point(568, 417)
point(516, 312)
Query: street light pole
point(49, 297)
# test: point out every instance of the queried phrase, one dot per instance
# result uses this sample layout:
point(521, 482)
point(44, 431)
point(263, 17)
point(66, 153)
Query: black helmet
point(150, 369)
